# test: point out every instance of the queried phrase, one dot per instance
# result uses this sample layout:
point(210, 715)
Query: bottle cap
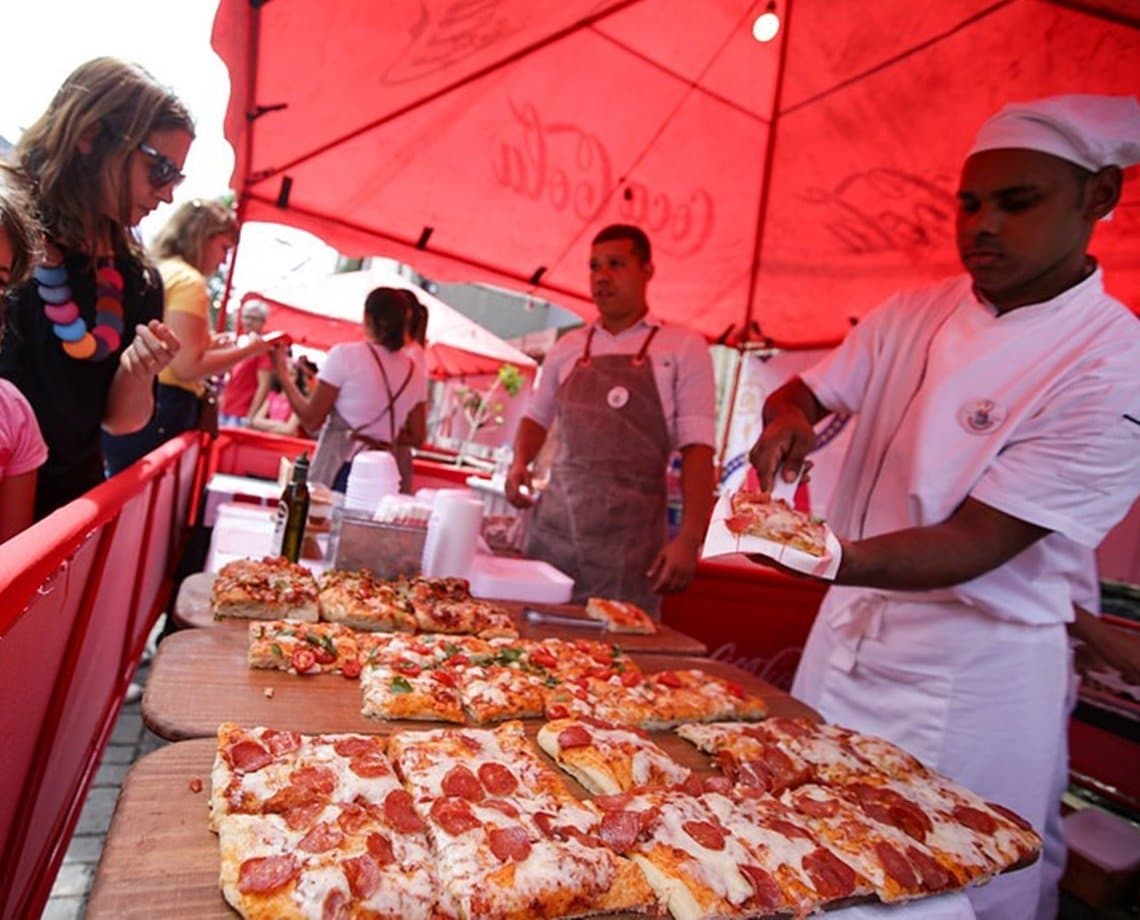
point(301, 468)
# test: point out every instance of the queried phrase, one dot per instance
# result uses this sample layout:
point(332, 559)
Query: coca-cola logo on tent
point(885, 210)
point(568, 168)
point(447, 32)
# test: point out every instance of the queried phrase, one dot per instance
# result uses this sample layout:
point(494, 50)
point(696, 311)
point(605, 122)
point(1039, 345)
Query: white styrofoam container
point(1109, 842)
point(507, 579)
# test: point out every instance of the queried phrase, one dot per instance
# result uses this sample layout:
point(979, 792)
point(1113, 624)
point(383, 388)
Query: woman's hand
point(152, 349)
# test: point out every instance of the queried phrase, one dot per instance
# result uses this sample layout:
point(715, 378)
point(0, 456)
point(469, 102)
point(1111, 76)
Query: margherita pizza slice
point(304, 648)
point(362, 601)
point(757, 514)
point(271, 588)
point(493, 692)
point(607, 758)
point(406, 691)
point(620, 616)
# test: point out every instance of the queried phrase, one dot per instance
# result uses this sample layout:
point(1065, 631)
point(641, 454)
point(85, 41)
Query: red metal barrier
point(79, 593)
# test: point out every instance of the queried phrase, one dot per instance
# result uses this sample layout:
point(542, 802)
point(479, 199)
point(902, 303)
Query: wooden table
point(200, 679)
point(192, 608)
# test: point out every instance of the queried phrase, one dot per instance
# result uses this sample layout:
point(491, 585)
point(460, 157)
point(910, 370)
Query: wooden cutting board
point(192, 609)
point(200, 678)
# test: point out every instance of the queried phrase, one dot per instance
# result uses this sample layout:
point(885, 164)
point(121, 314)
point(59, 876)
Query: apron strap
point(638, 359)
point(389, 409)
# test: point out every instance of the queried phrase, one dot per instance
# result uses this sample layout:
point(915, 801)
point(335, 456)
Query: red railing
point(79, 592)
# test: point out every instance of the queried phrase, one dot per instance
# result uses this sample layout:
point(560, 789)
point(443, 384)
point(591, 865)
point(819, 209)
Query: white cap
point(1091, 131)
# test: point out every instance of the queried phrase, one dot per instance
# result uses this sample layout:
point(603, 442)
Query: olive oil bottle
point(293, 512)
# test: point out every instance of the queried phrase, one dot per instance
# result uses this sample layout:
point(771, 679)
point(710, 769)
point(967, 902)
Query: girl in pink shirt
point(22, 447)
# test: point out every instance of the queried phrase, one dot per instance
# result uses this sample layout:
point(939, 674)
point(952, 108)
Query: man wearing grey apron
point(627, 390)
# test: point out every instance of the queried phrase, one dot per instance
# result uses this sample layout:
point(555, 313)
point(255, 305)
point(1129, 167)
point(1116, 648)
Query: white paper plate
point(720, 541)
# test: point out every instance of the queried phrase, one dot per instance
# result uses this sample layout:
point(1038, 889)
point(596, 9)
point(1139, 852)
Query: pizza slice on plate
point(304, 648)
point(757, 514)
point(362, 601)
point(607, 758)
point(271, 588)
point(620, 616)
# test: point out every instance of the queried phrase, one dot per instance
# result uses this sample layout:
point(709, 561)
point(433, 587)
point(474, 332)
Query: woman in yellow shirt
point(194, 243)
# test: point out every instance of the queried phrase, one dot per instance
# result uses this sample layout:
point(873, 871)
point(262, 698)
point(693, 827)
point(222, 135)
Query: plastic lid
point(1104, 839)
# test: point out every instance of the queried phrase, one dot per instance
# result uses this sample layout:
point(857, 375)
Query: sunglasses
point(163, 170)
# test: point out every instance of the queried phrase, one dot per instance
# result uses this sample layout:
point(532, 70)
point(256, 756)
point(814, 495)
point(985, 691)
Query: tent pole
point(730, 402)
point(769, 158)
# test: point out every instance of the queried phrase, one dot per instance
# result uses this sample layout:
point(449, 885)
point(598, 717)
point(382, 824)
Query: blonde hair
point(190, 228)
point(113, 106)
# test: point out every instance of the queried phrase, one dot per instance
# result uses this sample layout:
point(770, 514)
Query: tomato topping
point(303, 660)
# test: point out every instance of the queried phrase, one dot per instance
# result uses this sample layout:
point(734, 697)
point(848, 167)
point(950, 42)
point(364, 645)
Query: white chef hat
point(1091, 131)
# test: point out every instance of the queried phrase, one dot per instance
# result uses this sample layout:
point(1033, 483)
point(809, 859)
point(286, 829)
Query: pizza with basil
point(304, 648)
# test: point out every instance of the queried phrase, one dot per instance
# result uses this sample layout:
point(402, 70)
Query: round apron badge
point(981, 416)
point(617, 397)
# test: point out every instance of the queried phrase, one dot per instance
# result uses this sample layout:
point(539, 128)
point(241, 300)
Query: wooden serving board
point(200, 678)
point(160, 859)
point(192, 609)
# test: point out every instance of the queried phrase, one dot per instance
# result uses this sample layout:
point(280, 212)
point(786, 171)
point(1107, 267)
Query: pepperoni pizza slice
point(271, 588)
point(792, 871)
point(510, 840)
point(362, 601)
point(347, 859)
point(620, 616)
point(404, 690)
point(304, 648)
point(897, 866)
point(747, 759)
point(607, 758)
point(266, 771)
point(695, 864)
point(445, 605)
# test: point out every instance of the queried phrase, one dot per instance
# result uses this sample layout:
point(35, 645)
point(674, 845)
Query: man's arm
point(17, 503)
point(790, 414)
point(975, 539)
point(264, 377)
point(130, 401)
point(674, 566)
point(528, 441)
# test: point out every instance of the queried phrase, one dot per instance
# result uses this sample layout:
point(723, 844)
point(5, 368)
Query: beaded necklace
point(63, 312)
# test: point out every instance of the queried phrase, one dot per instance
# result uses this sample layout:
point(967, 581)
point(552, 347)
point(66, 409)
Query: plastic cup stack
point(452, 534)
point(373, 475)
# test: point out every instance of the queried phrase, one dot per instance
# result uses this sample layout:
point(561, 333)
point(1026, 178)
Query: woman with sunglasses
point(192, 245)
point(84, 338)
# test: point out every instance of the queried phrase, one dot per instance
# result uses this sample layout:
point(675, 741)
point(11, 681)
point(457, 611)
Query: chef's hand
point(1118, 648)
point(152, 349)
point(518, 485)
point(674, 566)
point(783, 445)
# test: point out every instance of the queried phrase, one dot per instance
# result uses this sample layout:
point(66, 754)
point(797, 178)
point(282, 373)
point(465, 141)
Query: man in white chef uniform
point(627, 390)
point(998, 441)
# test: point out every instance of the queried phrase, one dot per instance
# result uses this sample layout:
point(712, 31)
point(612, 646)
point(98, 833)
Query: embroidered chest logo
point(981, 416)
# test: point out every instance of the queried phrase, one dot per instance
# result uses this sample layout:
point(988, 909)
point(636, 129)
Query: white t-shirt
point(682, 369)
point(1029, 412)
point(362, 398)
point(22, 447)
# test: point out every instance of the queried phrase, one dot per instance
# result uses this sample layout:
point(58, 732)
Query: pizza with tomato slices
point(406, 691)
point(608, 758)
point(620, 616)
point(757, 514)
point(304, 648)
point(272, 588)
point(363, 601)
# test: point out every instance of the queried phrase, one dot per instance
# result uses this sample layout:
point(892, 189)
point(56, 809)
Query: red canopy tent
point(788, 186)
point(321, 312)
